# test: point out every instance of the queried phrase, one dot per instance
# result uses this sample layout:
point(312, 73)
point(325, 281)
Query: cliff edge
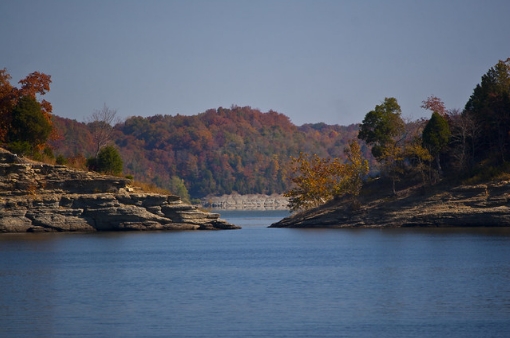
point(37, 197)
point(482, 205)
point(236, 201)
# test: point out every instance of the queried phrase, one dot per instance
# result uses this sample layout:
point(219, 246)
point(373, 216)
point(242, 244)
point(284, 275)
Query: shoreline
point(246, 202)
point(480, 205)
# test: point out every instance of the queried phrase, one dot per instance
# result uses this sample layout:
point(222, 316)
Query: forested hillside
point(216, 152)
point(244, 150)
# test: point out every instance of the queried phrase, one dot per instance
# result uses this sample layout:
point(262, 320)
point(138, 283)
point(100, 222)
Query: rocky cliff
point(36, 197)
point(480, 205)
point(246, 202)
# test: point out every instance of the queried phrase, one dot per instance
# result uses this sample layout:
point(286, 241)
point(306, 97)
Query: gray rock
point(483, 205)
point(37, 197)
point(246, 202)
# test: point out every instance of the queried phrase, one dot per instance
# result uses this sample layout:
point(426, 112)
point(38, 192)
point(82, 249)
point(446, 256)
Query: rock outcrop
point(483, 205)
point(36, 197)
point(246, 202)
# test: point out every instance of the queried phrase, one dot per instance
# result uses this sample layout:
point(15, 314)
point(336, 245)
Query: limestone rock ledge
point(482, 205)
point(246, 202)
point(36, 197)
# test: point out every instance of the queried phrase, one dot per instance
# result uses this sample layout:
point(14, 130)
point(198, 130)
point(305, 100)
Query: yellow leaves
point(312, 179)
point(318, 180)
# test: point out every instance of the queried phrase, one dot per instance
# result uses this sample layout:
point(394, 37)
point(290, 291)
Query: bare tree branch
point(101, 124)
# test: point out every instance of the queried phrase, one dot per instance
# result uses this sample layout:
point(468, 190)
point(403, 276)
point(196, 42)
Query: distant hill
point(217, 152)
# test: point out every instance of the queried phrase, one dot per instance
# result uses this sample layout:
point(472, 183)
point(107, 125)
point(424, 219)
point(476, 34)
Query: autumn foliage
point(15, 100)
point(244, 150)
point(219, 151)
point(318, 180)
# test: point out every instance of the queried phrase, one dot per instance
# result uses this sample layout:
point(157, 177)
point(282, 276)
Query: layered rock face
point(247, 202)
point(483, 205)
point(37, 197)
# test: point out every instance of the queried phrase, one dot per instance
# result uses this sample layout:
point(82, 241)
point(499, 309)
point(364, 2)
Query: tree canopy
point(382, 126)
point(29, 124)
point(109, 161)
point(318, 180)
point(436, 135)
point(33, 86)
point(489, 105)
point(219, 151)
point(244, 150)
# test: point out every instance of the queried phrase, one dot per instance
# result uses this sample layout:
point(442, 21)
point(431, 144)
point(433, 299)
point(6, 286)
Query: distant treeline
point(247, 151)
point(217, 152)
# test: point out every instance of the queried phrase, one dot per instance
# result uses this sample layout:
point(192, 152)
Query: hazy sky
point(315, 61)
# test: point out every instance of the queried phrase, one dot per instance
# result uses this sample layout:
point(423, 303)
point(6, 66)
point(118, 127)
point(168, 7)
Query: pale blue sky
point(315, 61)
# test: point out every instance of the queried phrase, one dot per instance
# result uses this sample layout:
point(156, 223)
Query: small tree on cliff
point(108, 161)
point(177, 187)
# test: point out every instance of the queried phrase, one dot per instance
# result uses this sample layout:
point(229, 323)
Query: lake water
point(257, 282)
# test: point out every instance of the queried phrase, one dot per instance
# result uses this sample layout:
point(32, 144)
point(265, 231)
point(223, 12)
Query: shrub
point(108, 161)
point(61, 160)
point(20, 148)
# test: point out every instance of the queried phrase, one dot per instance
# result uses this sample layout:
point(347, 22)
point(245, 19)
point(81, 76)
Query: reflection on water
point(257, 282)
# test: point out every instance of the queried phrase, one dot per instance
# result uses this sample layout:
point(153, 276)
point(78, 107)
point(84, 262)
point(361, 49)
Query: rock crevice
point(36, 197)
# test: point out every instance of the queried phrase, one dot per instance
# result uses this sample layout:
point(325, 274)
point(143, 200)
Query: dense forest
point(244, 150)
point(216, 152)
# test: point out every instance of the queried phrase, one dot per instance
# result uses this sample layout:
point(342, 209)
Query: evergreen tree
point(108, 161)
point(435, 136)
point(28, 124)
point(489, 105)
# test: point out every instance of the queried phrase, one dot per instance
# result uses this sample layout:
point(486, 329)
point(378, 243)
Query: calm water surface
point(257, 282)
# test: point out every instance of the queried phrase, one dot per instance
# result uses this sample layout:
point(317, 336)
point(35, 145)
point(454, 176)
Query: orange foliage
point(216, 152)
point(7, 102)
point(34, 84)
point(434, 104)
point(318, 180)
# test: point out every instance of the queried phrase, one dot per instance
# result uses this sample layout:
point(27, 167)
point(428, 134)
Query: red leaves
point(434, 104)
point(34, 84)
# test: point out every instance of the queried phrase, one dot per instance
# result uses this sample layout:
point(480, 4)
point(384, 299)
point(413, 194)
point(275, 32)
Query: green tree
point(28, 124)
point(61, 160)
point(435, 136)
point(490, 105)
point(178, 188)
point(33, 85)
point(108, 161)
point(384, 130)
point(382, 127)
